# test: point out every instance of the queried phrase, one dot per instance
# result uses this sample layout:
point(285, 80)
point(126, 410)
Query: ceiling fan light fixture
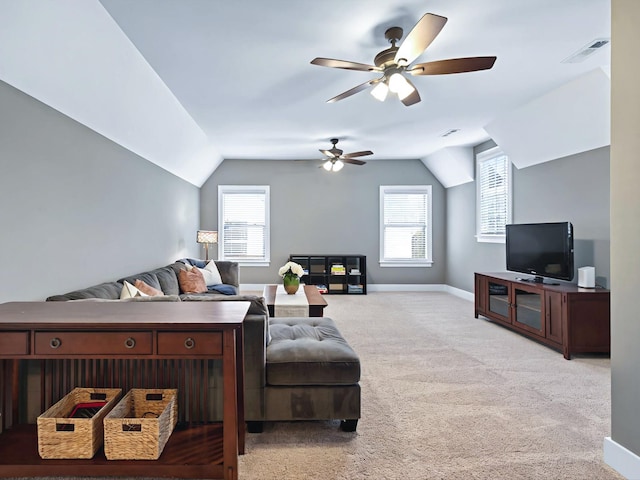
point(394, 61)
point(380, 91)
point(333, 165)
point(398, 84)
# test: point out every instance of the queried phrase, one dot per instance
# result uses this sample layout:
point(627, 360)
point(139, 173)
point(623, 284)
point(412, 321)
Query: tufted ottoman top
point(309, 351)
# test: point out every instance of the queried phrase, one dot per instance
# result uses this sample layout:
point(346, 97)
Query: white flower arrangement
point(291, 268)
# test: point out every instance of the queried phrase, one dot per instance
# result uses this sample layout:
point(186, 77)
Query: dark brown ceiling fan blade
point(356, 154)
point(354, 90)
point(352, 161)
point(453, 65)
point(419, 38)
point(330, 62)
point(411, 98)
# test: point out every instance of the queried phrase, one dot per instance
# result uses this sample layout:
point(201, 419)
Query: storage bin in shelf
point(139, 426)
point(60, 436)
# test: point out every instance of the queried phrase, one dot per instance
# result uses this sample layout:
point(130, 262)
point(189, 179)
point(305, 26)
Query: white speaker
point(587, 277)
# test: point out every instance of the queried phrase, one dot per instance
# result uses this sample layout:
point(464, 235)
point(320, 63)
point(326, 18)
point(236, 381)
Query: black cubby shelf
point(334, 274)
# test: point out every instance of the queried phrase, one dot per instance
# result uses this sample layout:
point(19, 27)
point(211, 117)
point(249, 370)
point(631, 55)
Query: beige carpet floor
point(447, 397)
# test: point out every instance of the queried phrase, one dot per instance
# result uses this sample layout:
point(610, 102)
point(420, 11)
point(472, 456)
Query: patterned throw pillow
point(148, 289)
point(191, 281)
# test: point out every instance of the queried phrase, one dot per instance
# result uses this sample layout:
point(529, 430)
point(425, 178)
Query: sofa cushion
point(191, 281)
point(146, 288)
point(108, 290)
point(159, 298)
point(309, 351)
point(258, 304)
point(168, 280)
point(229, 272)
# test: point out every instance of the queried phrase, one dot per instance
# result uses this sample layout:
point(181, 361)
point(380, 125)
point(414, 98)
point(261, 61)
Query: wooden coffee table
point(314, 298)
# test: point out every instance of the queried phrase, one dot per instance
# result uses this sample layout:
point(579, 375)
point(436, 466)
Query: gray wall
point(76, 209)
point(574, 188)
point(314, 211)
point(625, 227)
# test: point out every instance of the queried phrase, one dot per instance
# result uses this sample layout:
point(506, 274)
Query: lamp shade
point(207, 236)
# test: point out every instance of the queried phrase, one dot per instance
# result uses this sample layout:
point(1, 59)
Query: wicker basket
point(62, 437)
point(139, 426)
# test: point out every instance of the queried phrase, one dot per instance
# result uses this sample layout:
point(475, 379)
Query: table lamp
point(207, 237)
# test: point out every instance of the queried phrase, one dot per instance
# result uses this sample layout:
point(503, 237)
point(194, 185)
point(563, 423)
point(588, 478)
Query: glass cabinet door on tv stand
point(528, 307)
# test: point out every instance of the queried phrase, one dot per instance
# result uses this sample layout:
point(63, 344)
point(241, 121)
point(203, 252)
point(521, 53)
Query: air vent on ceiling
point(450, 132)
point(589, 49)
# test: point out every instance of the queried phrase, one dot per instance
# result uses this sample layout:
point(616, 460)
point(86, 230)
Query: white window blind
point(493, 183)
point(243, 212)
point(405, 222)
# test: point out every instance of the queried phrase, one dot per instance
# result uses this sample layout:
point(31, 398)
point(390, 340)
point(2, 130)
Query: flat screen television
point(540, 249)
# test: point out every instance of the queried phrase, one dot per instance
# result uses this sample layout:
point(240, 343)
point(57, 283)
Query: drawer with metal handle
point(189, 343)
point(93, 343)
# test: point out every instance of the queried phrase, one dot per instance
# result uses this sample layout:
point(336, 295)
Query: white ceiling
point(187, 83)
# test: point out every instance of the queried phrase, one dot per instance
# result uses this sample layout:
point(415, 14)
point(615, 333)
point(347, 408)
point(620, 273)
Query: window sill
point(489, 239)
point(249, 263)
point(387, 263)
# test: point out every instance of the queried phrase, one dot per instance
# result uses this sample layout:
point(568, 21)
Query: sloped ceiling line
point(73, 57)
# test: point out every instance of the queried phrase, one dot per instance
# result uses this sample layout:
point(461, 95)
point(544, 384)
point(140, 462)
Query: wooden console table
point(128, 332)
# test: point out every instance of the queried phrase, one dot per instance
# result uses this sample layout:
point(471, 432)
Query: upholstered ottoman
point(311, 372)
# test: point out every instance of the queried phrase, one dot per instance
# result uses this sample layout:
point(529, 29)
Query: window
point(243, 217)
point(405, 226)
point(493, 202)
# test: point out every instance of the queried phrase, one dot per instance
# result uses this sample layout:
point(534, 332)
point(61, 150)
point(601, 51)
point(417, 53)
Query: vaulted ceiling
point(188, 83)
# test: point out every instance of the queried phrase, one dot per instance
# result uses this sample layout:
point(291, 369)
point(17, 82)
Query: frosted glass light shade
point(333, 165)
point(398, 84)
point(380, 91)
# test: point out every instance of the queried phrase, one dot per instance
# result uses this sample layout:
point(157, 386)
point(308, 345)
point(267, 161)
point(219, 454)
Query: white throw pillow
point(211, 274)
point(129, 291)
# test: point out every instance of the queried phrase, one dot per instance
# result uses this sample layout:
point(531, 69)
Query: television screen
point(541, 249)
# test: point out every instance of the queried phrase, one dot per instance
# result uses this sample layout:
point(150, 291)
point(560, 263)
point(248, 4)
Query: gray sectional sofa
point(295, 368)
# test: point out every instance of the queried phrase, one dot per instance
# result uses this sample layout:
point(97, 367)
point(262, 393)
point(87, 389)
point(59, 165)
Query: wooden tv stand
point(562, 316)
point(146, 340)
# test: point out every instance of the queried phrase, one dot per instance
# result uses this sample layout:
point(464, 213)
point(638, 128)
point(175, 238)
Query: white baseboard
point(460, 293)
point(624, 461)
point(405, 287)
point(390, 287)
